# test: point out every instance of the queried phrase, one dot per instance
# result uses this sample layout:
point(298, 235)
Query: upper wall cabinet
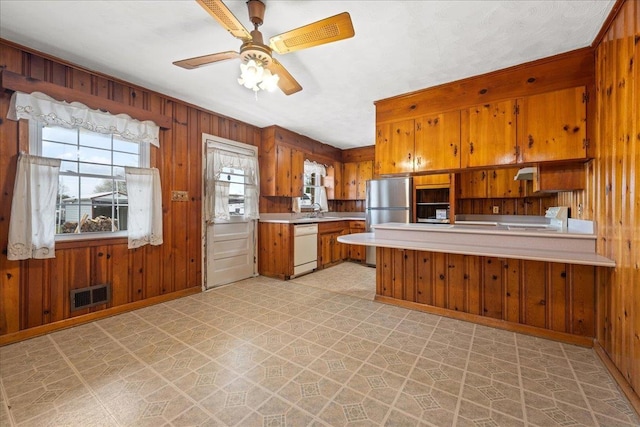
point(425, 144)
point(354, 179)
point(489, 134)
point(394, 147)
point(545, 127)
point(281, 173)
point(437, 142)
point(552, 126)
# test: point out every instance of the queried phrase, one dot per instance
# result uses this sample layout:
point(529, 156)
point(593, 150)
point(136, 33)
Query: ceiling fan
point(260, 70)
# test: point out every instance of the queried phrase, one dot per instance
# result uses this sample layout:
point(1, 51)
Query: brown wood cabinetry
point(333, 181)
point(357, 252)
point(330, 251)
point(489, 132)
point(275, 249)
point(472, 184)
point(425, 144)
point(282, 171)
point(494, 183)
point(556, 297)
point(350, 181)
point(354, 180)
point(553, 126)
point(394, 147)
point(500, 184)
point(437, 142)
point(549, 126)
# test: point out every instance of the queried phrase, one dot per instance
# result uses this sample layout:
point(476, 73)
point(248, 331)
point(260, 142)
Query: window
point(92, 192)
point(236, 179)
point(314, 193)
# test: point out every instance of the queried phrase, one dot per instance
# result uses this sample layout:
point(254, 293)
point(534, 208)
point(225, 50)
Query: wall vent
point(89, 297)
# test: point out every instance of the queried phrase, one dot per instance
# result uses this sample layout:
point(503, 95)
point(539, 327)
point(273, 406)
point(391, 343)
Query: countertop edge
point(482, 230)
point(368, 239)
point(310, 220)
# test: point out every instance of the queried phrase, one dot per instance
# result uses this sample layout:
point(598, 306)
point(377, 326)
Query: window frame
point(35, 148)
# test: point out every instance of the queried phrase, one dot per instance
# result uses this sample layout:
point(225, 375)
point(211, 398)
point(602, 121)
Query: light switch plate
point(179, 196)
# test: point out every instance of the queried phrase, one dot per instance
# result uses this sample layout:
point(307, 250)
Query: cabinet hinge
point(585, 143)
point(585, 97)
point(516, 109)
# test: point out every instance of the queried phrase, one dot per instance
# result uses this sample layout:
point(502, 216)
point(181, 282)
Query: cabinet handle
point(419, 160)
point(495, 174)
point(517, 152)
point(409, 156)
point(471, 148)
point(455, 150)
point(530, 141)
point(484, 175)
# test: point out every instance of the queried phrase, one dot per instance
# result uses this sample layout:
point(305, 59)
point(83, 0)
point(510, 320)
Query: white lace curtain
point(319, 193)
point(217, 191)
point(42, 108)
point(33, 209)
point(144, 221)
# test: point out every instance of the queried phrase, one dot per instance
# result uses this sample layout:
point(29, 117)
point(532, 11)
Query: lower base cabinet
point(330, 251)
point(552, 296)
point(357, 253)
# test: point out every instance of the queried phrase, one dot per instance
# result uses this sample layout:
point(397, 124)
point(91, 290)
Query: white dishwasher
point(305, 248)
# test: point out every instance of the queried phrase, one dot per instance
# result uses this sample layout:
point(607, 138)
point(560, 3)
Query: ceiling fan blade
point(200, 61)
point(326, 30)
point(223, 15)
point(286, 83)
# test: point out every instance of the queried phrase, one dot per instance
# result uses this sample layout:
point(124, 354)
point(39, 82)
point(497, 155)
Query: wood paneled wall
point(35, 293)
point(614, 183)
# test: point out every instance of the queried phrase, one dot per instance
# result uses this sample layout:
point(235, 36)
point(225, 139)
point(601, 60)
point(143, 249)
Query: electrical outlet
point(179, 196)
point(496, 209)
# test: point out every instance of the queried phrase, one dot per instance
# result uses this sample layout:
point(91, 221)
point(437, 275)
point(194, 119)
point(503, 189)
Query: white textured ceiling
point(399, 47)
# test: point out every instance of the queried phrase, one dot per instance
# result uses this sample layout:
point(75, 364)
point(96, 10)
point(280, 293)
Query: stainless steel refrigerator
point(388, 200)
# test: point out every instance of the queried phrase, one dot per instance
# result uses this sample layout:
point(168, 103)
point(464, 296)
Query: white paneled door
point(230, 236)
point(230, 252)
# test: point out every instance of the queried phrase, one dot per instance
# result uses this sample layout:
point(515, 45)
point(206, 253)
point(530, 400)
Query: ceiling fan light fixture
point(269, 81)
point(254, 76)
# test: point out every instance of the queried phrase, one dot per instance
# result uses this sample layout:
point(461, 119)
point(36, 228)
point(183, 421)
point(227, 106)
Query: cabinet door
point(394, 147)
point(357, 252)
point(472, 185)
point(437, 142)
point(283, 171)
point(502, 184)
point(350, 179)
point(297, 172)
point(365, 173)
point(490, 135)
point(552, 126)
point(325, 250)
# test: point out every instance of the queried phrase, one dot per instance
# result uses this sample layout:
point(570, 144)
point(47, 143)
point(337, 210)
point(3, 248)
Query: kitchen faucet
point(316, 210)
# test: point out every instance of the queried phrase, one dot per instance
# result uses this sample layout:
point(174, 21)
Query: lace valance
point(42, 108)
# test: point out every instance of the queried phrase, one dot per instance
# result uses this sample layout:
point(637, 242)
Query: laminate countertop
point(298, 219)
point(537, 244)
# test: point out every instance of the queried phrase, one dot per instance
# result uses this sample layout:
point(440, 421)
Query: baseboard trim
point(488, 321)
point(90, 317)
point(622, 382)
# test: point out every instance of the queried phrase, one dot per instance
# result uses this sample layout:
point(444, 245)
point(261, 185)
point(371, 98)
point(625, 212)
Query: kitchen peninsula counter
point(514, 242)
point(528, 279)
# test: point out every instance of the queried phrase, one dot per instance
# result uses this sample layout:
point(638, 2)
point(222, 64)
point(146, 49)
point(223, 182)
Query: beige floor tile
point(307, 352)
point(351, 408)
point(377, 383)
point(232, 403)
point(427, 403)
point(310, 391)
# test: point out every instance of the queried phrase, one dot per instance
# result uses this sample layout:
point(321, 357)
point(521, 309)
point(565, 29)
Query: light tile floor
point(307, 352)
